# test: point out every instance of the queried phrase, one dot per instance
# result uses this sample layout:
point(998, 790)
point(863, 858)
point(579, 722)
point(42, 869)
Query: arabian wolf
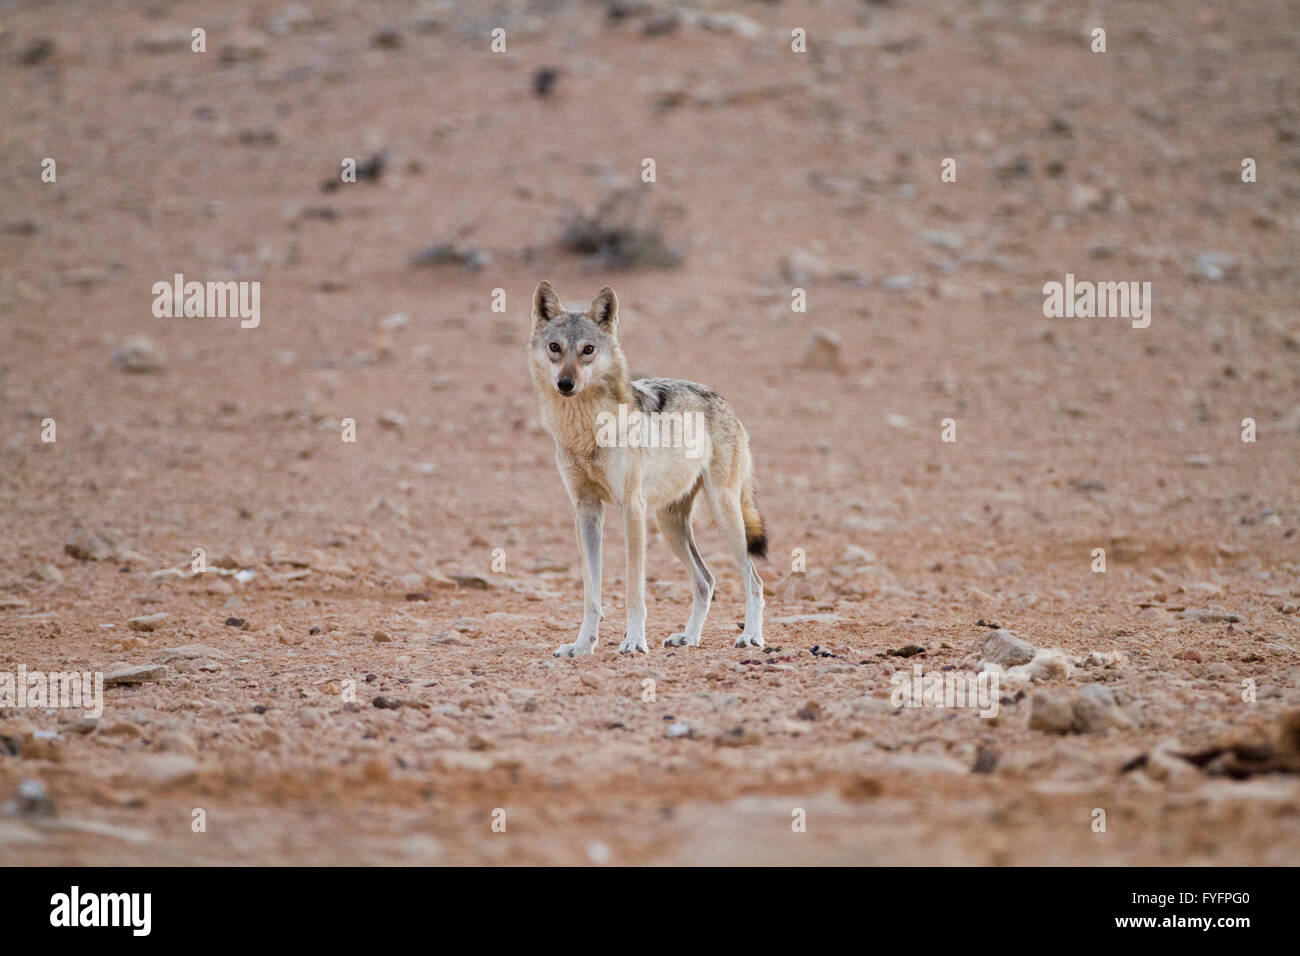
point(610, 445)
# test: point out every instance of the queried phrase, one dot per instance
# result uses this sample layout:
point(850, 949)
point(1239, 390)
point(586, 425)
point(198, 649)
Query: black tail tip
point(758, 545)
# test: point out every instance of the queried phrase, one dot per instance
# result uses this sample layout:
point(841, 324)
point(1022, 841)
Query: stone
point(148, 622)
point(47, 573)
point(139, 356)
point(800, 266)
point(30, 800)
point(1087, 710)
point(140, 674)
point(187, 652)
point(822, 351)
point(175, 742)
point(87, 545)
point(165, 770)
point(1006, 648)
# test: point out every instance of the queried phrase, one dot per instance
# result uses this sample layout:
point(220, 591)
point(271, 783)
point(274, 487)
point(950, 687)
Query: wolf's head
point(572, 351)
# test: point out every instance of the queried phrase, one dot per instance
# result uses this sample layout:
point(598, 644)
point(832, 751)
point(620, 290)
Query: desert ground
point(360, 671)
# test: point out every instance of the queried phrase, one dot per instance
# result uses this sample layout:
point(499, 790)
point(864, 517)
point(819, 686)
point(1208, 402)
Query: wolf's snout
point(565, 385)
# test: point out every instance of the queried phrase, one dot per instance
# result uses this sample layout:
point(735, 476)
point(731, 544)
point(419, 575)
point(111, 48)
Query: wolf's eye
point(555, 347)
point(588, 350)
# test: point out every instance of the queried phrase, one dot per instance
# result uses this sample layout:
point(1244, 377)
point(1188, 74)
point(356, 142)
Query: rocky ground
point(362, 674)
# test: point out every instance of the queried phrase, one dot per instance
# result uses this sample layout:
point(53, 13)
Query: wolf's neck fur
point(573, 420)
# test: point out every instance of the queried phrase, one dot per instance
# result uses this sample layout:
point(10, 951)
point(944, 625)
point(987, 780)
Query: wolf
point(582, 383)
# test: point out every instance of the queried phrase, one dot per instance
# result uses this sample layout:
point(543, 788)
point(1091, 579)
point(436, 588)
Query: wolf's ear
point(546, 304)
point(604, 309)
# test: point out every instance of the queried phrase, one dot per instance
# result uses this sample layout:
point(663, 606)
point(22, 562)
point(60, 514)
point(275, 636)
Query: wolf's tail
point(755, 531)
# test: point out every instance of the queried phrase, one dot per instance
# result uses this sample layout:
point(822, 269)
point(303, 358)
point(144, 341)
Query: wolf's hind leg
point(725, 503)
point(675, 523)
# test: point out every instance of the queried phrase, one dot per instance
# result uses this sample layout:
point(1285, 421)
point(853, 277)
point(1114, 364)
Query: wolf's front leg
point(634, 532)
point(590, 522)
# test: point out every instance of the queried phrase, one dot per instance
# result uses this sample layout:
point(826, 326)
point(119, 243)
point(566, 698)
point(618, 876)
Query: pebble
point(1006, 648)
point(165, 770)
point(148, 622)
point(1207, 615)
point(87, 545)
point(138, 356)
point(175, 742)
point(450, 637)
point(30, 800)
point(822, 351)
point(799, 267)
point(139, 674)
point(47, 573)
point(1086, 710)
point(927, 763)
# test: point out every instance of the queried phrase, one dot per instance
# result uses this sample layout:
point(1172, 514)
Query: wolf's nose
point(565, 385)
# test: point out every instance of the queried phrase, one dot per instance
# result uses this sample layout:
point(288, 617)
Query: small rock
point(86, 545)
point(30, 800)
point(450, 637)
point(907, 650)
point(986, 760)
point(47, 573)
point(800, 266)
point(927, 763)
point(822, 351)
point(175, 742)
point(1207, 615)
point(476, 581)
point(165, 770)
point(387, 38)
point(810, 711)
point(139, 674)
point(148, 622)
point(1006, 648)
point(40, 49)
point(187, 652)
point(661, 23)
point(1091, 709)
point(138, 355)
point(544, 81)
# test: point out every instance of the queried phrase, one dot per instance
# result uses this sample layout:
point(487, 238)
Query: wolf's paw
point(749, 640)
point(633, 645)
point(681, 640)
point(576, 649)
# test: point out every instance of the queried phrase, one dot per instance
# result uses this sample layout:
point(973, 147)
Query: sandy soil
point(774, 170)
